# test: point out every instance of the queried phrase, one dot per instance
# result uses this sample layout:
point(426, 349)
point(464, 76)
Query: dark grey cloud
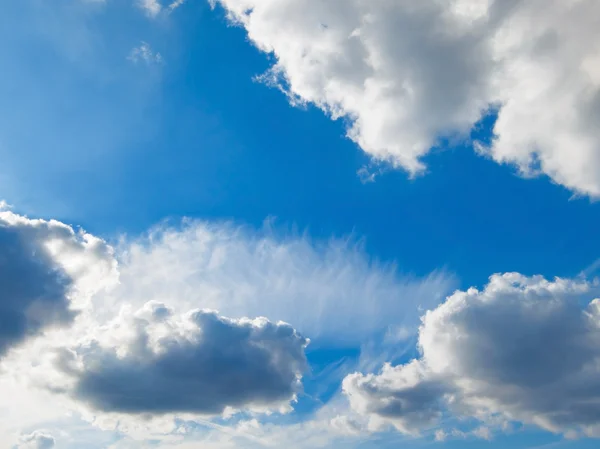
point(525, 348)
point(33, 287)
point(46, 271)
point(201, 364)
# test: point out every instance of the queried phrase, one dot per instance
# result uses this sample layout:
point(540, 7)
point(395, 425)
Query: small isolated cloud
point(152, 362)
point(144, 53)
point(151, 7)
point(176, 4)
point(43, 265)
point(408, 73)
point(524, 348)
point(36, 440)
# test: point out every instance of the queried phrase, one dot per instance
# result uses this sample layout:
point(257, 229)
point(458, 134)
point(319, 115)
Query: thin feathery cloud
point(144, 53)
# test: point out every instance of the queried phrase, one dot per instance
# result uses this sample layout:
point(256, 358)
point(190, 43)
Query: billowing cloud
point(46, 269)
point(524, 348)
point(36, 440)
point(407, 73)
point(152, 362)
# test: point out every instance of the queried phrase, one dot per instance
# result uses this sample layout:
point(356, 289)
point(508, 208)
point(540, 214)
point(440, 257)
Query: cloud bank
point(523, 348)
point(405, 74)
point(37, 440)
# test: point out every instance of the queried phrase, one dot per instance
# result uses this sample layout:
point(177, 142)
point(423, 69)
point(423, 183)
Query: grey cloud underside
point(225, 364)
point(33, 288)
point(524, 348)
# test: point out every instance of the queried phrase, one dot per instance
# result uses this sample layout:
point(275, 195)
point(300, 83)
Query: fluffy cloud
point(46, 271)
point(152, 362)
point(37, 440)
point(405, 396)
point(524, 348)
point(406, 73)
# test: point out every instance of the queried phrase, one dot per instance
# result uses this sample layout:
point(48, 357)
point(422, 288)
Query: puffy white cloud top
point(406, 73)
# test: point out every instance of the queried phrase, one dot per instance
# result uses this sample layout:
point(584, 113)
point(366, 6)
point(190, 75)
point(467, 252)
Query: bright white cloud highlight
point(524, 348)
point(406, 73)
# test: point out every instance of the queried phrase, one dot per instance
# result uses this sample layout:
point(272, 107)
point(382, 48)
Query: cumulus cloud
point(152, 362)
point(404, 395)
point(36, 440)
point(46, 271)
point(524, 348)
point(407, 73)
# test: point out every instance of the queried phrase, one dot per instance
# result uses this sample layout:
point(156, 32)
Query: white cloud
point(151, 7)
point(145, 53)
point(330, 291)
point(407, 73)
point(113, 366)
point(36, 440)
point(524, 348)
point(176, 4)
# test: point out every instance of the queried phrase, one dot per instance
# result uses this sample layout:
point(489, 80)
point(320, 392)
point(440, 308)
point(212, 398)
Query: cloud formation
point(330, 291)
point(36, 440)
point(408, 73)
point(151, 7)
point(46, 269)
point(524, 348)
point(152, 345)
point(153, 362)
point(144, 53)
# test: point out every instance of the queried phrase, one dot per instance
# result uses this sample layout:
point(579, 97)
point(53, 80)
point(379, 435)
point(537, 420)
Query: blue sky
point(455, 157)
